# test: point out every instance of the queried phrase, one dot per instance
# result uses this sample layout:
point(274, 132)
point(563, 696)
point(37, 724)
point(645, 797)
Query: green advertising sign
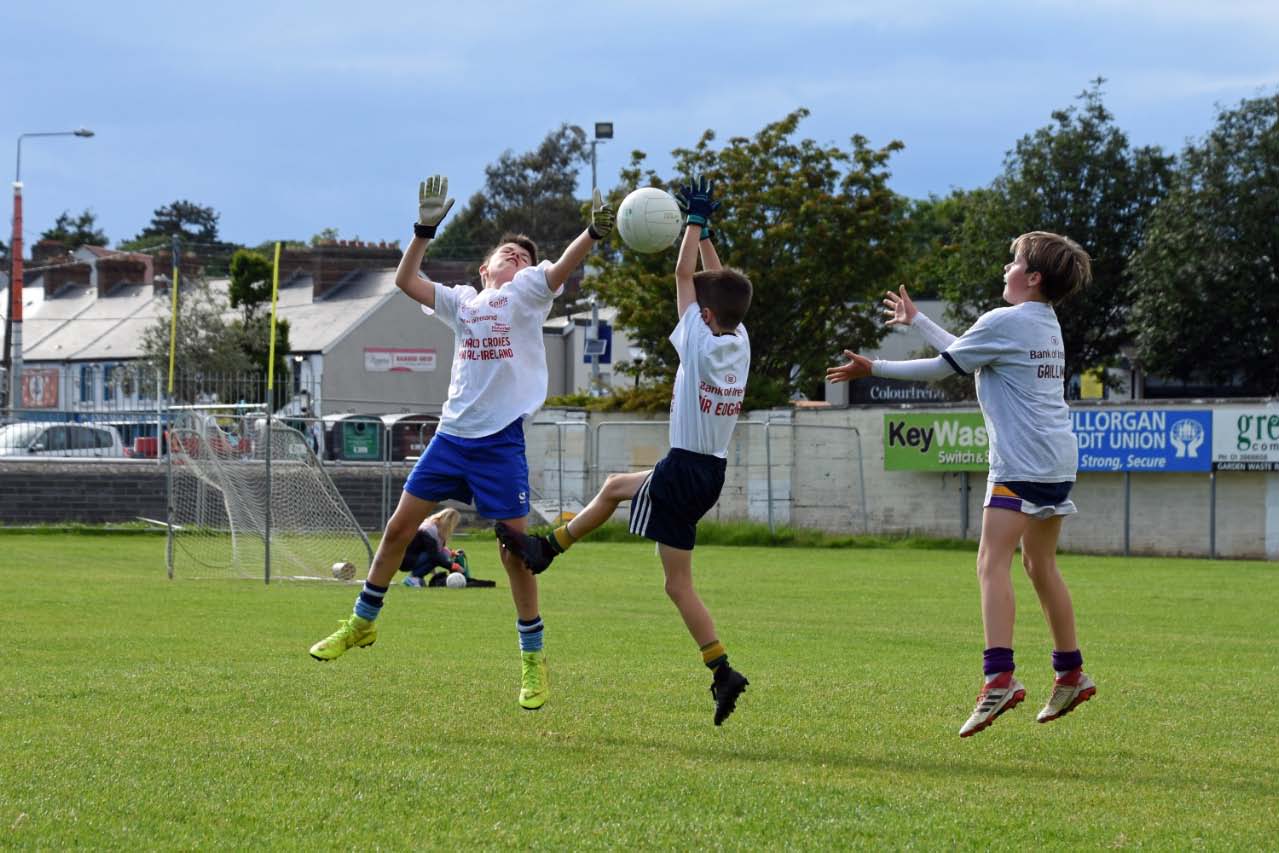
point(936, 441)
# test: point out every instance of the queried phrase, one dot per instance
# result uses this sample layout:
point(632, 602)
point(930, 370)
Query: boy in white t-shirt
point(667, 502)
point(477, 454)
point(1018, 359)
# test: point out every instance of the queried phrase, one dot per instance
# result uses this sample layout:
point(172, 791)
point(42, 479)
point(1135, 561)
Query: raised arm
point(685, 266)
point(697, 200)
point(433, 206)
point(706, 248)
point(901, 311)
point(600, 227)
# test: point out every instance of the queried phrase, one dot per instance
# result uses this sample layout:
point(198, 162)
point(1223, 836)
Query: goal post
point(231, 513)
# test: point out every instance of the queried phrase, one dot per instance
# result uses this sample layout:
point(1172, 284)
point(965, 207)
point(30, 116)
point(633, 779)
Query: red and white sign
point(392, 360)
point(40, 388)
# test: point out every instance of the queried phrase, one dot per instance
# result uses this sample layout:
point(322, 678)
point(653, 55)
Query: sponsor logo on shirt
point(498, 301)
point(730, 378)
point(501, 328)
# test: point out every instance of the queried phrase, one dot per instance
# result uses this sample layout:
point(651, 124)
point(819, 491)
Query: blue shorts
point(490, 471)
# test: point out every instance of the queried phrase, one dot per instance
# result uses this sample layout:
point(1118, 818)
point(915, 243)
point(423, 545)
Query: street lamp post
point(603, 132)
point(13, 317)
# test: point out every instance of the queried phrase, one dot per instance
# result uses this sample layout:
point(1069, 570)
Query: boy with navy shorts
point(477, 454)
point(668, 501)
point(1017, 357)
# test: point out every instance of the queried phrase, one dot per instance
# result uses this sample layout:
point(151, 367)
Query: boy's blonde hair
point(446, 522)
point(1062, 264)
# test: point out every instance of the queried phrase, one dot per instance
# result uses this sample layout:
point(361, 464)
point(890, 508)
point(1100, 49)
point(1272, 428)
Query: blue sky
point(292, 117)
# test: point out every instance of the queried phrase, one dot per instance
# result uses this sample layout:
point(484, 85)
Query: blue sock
point(996, 660)
point(369, 604)
point(530, 634)
point(1064, 662)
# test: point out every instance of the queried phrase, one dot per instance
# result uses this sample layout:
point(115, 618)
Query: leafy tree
point(1207, 275)
point(206, 343)
point(1077, 176)
point(250, 283)
point(325, 235)
point(814, 226)
point(194, 223)
point(76, 231)
point(533, 193)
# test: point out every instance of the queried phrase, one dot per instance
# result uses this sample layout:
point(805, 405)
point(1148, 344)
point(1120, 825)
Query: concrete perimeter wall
point(803, 465)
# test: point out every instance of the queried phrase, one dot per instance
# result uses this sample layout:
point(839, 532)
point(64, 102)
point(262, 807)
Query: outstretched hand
point(899, 309)
point(697, 200)
point(433, 203)
point(857, 367)
point(602, 217)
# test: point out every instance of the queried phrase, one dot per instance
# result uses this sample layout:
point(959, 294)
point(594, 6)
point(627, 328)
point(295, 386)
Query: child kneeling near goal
point(667, 502)
point(1018, 359)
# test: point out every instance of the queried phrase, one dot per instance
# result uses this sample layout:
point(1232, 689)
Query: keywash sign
point(1143, 439)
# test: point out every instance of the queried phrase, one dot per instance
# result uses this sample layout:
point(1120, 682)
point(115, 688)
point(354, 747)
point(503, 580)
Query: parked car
point(33, 438)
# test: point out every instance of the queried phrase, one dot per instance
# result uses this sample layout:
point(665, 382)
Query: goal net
point(237, 509)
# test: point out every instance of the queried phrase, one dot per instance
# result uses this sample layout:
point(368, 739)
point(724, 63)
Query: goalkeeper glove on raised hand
point(433, 205)
point(697, 200)
point(602, 217)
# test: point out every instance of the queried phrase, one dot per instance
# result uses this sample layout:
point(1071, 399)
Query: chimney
point(49, 252)
point(334, 264)
point(59, 277)
point(117, 270)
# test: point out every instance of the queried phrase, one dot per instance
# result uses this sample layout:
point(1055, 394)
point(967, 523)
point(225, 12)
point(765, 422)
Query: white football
point(649, 220)
point(455, 580)
point(344, 571)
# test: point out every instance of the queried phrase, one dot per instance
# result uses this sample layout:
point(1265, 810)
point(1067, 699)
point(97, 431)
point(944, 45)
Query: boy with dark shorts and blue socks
point(667, 502)
point(498, 380)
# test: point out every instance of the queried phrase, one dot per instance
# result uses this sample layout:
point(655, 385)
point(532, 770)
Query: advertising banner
point(40, 388)
point(937, 441)
point(1245, 438)
point(392, 360)
point(1143, 439)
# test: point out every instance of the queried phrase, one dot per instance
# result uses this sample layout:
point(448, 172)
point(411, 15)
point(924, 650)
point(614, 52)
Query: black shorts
point(682, 488)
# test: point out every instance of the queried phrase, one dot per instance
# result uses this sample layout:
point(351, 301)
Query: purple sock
point(1066, 661)
point(997, 660)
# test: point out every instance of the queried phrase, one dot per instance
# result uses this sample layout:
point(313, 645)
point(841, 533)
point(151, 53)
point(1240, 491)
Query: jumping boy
point(667, 502)
point(1018, 359)
point(498, 379)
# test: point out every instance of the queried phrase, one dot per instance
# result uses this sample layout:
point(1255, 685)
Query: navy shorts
point(492, 471)
point(674, 497)
point(1040, 500)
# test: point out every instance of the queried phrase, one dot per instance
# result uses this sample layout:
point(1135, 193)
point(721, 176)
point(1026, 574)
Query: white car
point(60, 439)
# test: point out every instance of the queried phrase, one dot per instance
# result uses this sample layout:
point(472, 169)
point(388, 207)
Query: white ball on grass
point(455, 580)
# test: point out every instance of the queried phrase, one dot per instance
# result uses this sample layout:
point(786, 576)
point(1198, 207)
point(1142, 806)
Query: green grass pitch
point(146, 713)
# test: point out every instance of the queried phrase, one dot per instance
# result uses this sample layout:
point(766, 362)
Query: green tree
point(533, 193)
point(1207, 274)
point(206, 343)
point(250, 283)
point(194, 223)
point(1077, 176)
point(75, 231)
point(814, 226)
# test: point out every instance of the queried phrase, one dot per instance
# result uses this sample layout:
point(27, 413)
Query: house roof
point(79, 325)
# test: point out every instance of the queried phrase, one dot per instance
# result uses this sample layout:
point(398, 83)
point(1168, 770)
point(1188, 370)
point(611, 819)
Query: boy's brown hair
point(727, 292)
point(522, 240)
point(1062, 264)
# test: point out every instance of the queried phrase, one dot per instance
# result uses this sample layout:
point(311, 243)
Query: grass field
point(146, 713)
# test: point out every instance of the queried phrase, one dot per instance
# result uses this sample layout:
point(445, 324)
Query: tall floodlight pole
point(603, 132)
point(13, 317)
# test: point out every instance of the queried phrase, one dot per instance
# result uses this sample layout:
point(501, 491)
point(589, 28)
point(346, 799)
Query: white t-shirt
point(499, 359)
point(709, 385)
point(1020, 364)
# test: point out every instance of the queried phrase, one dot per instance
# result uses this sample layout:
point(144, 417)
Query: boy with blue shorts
point(1018, 359)
point(668, 501)
point(477, 454)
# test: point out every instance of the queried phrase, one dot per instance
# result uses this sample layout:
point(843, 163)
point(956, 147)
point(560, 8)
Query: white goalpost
point(249, 499)
point(247, 496)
